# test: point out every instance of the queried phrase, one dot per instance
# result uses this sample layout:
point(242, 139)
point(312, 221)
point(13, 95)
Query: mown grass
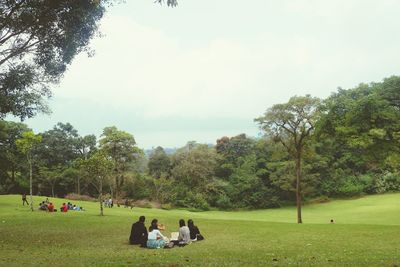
point(366, 233)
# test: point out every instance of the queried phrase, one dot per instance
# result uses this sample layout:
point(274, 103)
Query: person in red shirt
point(50, 207)
point(64, 208)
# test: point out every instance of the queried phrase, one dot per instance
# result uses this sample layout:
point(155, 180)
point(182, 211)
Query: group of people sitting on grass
point(70, 206)
point(46, 205)
point(155, 239)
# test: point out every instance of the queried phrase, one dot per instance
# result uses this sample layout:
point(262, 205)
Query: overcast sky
point(207, 68)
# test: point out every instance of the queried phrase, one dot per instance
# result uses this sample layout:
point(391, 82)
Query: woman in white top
point(155, 239)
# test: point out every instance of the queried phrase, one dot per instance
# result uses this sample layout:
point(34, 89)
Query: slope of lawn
point(367, 233)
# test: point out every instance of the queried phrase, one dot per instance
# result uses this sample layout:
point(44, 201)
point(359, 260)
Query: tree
point(51, 176)
point(10, 156)
point(291, 124)
point(26, 144)
point(39, 40)
point(159, 163)
point(58, 146)
point(121, 147)
point(85, 146)
point(97, 169)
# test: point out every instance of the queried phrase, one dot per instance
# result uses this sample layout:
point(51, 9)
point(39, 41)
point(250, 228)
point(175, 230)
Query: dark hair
point(153, 225)
point(142, 219)
point(190, 223)
point(181, 222)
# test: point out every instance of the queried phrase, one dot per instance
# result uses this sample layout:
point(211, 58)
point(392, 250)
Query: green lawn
point(367, 233)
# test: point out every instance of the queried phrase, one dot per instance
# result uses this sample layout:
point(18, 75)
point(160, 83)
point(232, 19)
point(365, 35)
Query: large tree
point(11, 157)
point(159, 163)
point(27, 144)
point(97, 171)
point(38, 40)
point(291, 124)
point(121, 147)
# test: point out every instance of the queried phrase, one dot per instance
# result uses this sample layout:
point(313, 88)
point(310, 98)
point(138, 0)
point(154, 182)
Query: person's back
point(50, 207)
point(194, 231)
point(184, 233)
point(138, 233)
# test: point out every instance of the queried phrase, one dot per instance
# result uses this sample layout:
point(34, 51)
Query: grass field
point(366, 233)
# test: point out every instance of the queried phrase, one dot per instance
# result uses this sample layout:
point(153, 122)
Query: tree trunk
point(100, 200)
point(298, 186)
point(79, 185)
point(52, 190)
point(30, 181)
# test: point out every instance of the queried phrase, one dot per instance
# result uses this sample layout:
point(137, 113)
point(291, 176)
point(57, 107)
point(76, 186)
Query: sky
point(206, 69)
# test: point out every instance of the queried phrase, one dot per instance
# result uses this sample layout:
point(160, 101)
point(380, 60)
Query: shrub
point(388, 182)
point(224, 202)
point(352, 186)
point(73, 196)
point(166, 206)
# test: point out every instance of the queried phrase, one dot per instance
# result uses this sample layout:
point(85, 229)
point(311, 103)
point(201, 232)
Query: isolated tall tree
point(121, 147)
point(292, 124)
point(97, 169)
point(26, 144)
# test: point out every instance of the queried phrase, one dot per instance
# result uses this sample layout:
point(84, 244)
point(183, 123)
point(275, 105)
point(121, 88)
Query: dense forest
point(342, 146)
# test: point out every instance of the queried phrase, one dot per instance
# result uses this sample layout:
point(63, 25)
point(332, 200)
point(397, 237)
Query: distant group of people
point(155, 239)
point(46, 205)
point(109, 203)
point(70, 206)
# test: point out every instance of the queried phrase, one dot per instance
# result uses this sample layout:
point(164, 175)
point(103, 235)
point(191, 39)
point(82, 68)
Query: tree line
point(342, 146)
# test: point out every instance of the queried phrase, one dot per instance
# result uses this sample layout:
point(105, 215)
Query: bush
point(352, 186)
point(388, 182)
point(224, 202)
point(73, 196)
point(166, 206)
point(320, 199)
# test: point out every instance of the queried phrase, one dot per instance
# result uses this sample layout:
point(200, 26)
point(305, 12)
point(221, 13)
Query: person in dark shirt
point(194, 231)
point(139, 233)
point(24, 200)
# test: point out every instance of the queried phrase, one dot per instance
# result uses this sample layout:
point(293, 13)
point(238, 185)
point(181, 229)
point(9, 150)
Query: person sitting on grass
point(64, 208)
point(194, 231)
point(43, 206)
point(138, 233)
point(155, 238)
point(184, 234)
point(50, 207)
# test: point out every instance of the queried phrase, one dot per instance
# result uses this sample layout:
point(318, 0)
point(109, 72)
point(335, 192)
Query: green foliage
point(39, 39)
point(121, 148)
point(346, 147)
point(159, 163)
